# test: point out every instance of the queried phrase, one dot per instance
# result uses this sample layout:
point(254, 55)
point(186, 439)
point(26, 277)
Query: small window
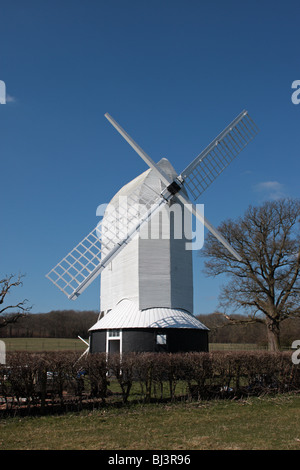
point(113, 333)
point(161, 339)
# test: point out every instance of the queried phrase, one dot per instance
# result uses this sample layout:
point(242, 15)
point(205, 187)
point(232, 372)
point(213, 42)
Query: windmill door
point(114, 342)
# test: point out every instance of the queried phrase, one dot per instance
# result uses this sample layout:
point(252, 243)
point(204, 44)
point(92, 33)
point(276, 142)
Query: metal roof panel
point(126, 314)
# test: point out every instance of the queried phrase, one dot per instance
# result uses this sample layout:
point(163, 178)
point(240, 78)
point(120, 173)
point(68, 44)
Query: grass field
point(269, 423)
point(43, 344)
point(252, 424)
point(60, 344)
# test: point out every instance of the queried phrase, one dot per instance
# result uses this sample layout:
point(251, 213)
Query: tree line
point(71, 323)
point(54, 324)
point(223, 330)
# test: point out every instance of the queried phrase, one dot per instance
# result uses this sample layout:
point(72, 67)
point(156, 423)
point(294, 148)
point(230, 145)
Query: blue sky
point(173, 74)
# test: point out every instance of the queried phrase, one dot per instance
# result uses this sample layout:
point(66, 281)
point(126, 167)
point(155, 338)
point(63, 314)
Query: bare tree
point(266, 282)
point(11, 313)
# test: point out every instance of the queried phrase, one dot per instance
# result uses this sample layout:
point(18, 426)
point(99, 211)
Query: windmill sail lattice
point(83, 264)
point(217, 156)
point(75, 272)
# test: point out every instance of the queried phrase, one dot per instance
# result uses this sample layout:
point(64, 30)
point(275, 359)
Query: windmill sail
point(76, 271)
point(205, 168)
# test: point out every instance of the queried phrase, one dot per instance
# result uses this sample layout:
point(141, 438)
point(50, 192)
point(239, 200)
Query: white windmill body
point(154, 270)
point(147, 290)
point(147, 277)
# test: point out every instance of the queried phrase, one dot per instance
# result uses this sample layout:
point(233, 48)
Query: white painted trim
point(113, 338)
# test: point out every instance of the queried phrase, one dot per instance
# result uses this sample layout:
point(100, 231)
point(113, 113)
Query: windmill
point(146, 285)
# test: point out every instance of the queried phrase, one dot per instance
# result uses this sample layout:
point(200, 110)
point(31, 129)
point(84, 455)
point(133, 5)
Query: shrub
point(96, 368)
point(45, 380)
point(123, 368)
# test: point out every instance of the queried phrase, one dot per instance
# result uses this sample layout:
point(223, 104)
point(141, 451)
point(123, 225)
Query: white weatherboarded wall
point(154, 271)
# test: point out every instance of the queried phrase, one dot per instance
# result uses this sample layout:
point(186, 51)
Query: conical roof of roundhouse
point(126, 314)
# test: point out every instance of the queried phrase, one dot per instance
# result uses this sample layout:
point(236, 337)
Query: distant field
point(63, 344)
point(43, 344)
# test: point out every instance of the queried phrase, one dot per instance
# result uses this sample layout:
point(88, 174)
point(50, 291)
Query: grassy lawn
point(257, 423)
point(59, 344)
point(43, 344)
